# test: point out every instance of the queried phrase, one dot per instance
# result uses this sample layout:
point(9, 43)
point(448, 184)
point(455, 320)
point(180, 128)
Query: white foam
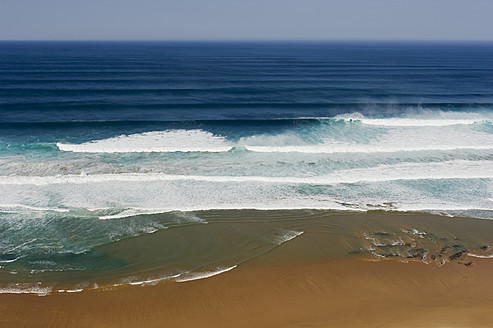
point(385, 140)
point(421, 118)
point(456, 169)
point(156, 141)
point(78, 290)
point(267, 206)
point(40, 291)
point(437, 207)
point(409, 134)
point(186, 217)
point(152, 282)
point(480, 256)
point(149, 193)
point(132, 212)
point(202, 275)
point(414, 122)
point(417, 122)
point(415, 231)
point(180, 277)
point(10, 261)
point(183, 216)
point(333, 147)
point(287, 236)
point(23, 244)
point(17, 207)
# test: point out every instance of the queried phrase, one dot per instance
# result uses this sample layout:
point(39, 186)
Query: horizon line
point(252, 40)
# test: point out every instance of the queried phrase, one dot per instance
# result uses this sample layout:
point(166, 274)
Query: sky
point(246, 20)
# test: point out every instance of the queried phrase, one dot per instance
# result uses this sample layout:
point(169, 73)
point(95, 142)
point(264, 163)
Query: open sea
point(139, 162)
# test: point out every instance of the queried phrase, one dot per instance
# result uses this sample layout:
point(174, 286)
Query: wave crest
point(156, 141)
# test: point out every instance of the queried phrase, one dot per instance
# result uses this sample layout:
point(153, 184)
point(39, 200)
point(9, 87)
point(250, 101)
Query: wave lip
point(420, 119)
point(156, 141)
point(395, 135)
point(410, 122)
point(414, 122)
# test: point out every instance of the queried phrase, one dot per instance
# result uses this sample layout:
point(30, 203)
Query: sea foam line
point(322, 148)
point(188, 216)
point(202, 275)
point(40, 291)
point(12, 207)
point(481, 256)
point(10, 261)
point(328, 148)
point(150, 282)
point(287, 236)
point(458, 169)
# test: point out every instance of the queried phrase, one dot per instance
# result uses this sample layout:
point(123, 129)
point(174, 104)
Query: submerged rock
point(456, 256)
point(383, 234)
point(444, 249)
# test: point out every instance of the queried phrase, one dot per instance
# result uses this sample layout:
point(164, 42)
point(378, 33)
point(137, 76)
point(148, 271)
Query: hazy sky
point(246, 19)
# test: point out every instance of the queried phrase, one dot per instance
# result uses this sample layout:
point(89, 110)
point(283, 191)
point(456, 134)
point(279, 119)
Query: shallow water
point(130, 162)
point(205, 243)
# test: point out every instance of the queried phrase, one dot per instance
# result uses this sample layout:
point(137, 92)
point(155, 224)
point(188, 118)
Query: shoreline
point(267, 293)
point(233, 239)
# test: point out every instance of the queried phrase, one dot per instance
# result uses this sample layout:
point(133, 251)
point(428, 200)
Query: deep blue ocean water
point(105, 141)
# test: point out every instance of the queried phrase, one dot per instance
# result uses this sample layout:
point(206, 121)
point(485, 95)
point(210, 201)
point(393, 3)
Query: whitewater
point(416, 161)
point(172, 150)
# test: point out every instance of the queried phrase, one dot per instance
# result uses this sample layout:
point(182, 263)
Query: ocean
point(132, 163)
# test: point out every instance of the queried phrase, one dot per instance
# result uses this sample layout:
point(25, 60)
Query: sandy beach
point(235, 182)
point(268, 292)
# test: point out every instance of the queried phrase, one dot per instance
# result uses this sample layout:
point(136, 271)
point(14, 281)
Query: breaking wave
point(324, 136)
point(157, 141)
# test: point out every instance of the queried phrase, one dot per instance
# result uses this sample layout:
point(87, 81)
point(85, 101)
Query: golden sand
point(332, 293)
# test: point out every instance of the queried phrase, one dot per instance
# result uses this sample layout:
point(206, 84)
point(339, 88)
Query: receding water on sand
point(209, 243)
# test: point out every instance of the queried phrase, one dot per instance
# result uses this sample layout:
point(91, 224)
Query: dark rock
point(456, 256)
point(484, 247)
point(383, 234)
point(444, 249)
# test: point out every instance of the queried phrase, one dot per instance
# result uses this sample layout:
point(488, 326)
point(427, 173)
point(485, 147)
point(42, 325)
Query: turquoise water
point(108, 148)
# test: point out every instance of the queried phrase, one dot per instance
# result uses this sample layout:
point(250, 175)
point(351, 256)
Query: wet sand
point(266, 292)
